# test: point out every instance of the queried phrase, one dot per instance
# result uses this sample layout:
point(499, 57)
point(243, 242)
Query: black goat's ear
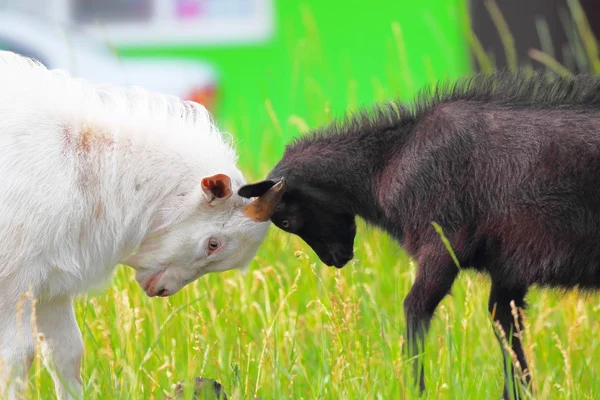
point(256, 189)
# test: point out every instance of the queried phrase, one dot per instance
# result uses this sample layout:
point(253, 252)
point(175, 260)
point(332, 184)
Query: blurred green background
point(326, 58)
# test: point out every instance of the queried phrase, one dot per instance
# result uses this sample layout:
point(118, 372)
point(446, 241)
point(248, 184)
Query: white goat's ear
point(216, 188)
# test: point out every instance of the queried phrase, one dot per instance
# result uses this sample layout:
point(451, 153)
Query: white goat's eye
point(213, 244)
point(285, 223)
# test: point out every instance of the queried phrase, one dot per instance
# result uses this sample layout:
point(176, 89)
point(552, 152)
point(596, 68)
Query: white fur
point(88, 175)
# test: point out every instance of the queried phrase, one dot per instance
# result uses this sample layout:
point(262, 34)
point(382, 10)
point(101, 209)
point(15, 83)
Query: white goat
point(88, 175)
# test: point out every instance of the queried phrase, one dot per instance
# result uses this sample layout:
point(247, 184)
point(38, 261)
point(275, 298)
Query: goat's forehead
point(232, 219)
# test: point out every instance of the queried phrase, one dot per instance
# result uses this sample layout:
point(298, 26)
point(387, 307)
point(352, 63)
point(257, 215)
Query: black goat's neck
point(344, 168)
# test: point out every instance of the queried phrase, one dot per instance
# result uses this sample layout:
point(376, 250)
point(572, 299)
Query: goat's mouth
point(152, 288)
point(333, 259)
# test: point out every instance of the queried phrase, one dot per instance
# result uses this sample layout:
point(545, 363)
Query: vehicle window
point(88, 11)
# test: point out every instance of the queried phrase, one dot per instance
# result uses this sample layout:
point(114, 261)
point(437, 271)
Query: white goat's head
point(208, 229)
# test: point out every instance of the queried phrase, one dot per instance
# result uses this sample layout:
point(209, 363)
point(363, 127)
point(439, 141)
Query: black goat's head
point(311, 214)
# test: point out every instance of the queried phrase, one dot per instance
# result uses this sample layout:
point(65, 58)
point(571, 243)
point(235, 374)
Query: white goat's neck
point(133, 182)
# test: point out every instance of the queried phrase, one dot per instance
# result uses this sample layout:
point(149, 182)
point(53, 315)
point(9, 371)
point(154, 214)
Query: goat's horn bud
point(261, 209)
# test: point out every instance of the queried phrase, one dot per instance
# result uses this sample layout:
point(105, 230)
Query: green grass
point(292, 328)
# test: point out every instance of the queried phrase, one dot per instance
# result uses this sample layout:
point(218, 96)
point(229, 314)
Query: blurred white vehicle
point(60, 46)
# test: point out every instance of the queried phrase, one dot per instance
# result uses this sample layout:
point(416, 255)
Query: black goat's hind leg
point(433, 282)
point(512, 327)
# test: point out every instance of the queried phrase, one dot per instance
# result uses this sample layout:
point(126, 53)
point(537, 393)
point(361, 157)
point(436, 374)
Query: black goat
point(507, 165)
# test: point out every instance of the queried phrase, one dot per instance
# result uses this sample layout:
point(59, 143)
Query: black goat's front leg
point(433, 282)
point(512, 327)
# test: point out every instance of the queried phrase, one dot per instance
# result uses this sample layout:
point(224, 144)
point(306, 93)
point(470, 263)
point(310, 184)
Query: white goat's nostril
point(163, 293)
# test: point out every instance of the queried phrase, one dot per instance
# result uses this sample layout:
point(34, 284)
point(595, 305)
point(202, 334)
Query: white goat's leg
point(17, 346)
point(62, 346)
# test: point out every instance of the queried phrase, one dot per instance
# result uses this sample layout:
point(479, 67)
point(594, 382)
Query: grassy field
point(293, 328)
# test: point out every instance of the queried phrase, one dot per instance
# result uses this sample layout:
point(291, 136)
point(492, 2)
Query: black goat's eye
point(285, 224)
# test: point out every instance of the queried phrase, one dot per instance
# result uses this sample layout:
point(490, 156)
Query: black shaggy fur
point(508, 165)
